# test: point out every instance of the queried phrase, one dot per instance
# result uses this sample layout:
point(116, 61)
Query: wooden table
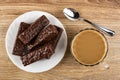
point(104, 12)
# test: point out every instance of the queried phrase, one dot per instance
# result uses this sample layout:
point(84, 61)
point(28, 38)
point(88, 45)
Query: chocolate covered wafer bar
point(44, 36)
point(41, 52)
point(19, 46)
point(56, 39)
point(34, 29)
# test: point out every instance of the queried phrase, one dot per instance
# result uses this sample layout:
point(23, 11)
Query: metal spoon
point(74, 15)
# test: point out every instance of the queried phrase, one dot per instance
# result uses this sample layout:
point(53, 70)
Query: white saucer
point(44, 64)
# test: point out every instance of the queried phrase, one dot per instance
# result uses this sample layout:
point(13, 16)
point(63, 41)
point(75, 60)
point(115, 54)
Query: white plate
point(44, 64)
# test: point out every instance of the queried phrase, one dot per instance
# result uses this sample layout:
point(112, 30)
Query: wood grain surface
point(104, 12)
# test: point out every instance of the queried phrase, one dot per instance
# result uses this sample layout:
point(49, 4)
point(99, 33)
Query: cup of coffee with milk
point(89, 47)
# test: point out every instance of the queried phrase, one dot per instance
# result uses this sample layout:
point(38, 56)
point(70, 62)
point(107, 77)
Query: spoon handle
point(101, 28)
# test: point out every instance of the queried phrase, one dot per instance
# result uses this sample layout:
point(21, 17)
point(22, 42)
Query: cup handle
point(104, 65)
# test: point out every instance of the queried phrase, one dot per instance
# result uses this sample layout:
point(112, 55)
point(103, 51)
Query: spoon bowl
point(71, 14)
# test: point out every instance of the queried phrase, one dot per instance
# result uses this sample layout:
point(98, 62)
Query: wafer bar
point(44, 36)
point(56, 39)
point(42, 52)
point(34, 29)
point(19, 46)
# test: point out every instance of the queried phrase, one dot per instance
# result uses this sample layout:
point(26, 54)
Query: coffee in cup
point(89, 47)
